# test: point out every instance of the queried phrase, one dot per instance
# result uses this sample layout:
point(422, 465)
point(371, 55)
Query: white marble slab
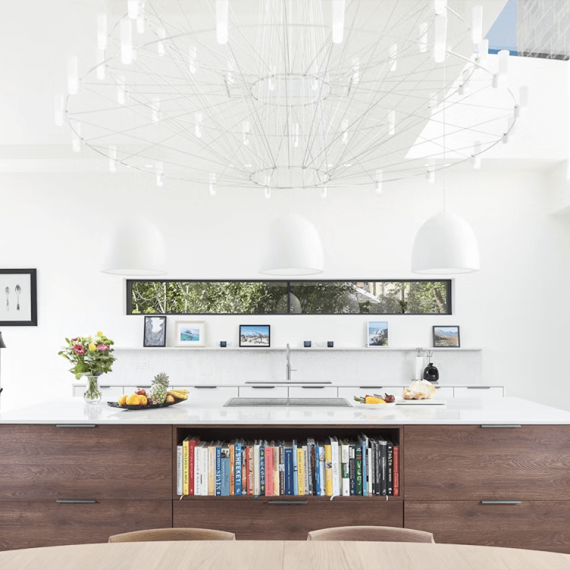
point(458, 411)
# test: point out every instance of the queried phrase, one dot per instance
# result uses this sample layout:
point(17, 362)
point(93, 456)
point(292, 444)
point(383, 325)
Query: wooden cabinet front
point(533, 525)
point(265, 518)
point(26, 524)
point(100, 462)
point(447, 463)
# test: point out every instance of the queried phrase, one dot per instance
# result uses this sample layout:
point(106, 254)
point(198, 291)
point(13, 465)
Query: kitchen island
point(488, 472)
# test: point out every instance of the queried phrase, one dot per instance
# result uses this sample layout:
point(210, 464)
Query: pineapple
point(157, 393)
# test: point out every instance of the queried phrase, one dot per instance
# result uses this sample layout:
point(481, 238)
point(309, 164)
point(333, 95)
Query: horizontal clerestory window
point(374, 297)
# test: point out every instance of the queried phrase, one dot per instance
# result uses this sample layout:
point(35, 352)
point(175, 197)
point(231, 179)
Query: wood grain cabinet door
point(265, 518)
point(102, 462)
point(533, 525)
point(444, 463)
point(26, 524)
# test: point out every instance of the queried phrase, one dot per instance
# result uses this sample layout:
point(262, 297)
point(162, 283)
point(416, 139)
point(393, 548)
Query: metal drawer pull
point(376, 387)
point(76, 501)
point(501, 502)
point(478, 387)
point(205, 387)
point(263, 387)
point(500, 425)
point(312, 387)
point(75, 425)
point(287, 502)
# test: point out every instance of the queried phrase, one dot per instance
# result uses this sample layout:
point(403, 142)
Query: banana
point(178, 394)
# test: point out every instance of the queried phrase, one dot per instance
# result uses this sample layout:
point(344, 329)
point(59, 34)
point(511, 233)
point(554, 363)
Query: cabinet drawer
point(313, 391)
point(349, 393)
point(477, 463)
point(479, 392)
point(533, 525)
point(28, 524)
point(210, 395)
point(278, 519)
point(108, 393)
point(100, 462)
point(444, 393)
point(262, 391)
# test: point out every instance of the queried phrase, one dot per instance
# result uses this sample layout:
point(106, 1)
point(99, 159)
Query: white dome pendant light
point(446, 243)
point(135, 247)
point(293, 247)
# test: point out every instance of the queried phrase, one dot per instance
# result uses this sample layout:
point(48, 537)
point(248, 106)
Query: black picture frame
point(20, 290)
point(438, 343)
point(242, 343)
point(154, 339)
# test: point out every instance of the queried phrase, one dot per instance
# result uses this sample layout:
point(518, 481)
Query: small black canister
point(431, 373)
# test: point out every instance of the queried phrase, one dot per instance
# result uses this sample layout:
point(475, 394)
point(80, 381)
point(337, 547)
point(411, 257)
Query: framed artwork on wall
point(255, 336)
point(377, 333)
point(189, 333)
point(154, 331)
point(446, 336)
point(19, 305)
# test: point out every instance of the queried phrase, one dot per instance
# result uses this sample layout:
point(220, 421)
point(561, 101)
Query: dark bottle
point(431, 373)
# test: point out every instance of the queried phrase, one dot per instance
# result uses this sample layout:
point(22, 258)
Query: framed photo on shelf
point(377, 333)
point(255, 336)
point(19, 305)
point(154, 331)
point(446, 336)
point(189, 333)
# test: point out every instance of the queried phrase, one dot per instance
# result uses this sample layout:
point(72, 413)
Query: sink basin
point(287, 402)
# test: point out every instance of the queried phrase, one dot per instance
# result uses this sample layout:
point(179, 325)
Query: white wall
point(516, 307)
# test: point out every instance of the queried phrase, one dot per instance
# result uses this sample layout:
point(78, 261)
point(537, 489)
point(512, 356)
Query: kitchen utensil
point(18, 291)
point(7, 298)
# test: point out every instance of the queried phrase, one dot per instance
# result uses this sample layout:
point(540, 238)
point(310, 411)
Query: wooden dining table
point(280, 555)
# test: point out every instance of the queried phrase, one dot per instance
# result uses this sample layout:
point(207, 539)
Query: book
point(317, 470)
point(179, 470)
point(383, 466)
point(244, 474)
point(374, 464)
point(390, 467)
point(345, 468)
point(396, 471)
point(212, 468)
point(225, 469)
point(295, 469)
point(300, 472)
point(256, 482)
point(358, 467)
point(329, 489)
point(310, 465)
point(201, 469)
point(305, 471)
point(238, 467)
point(352, 468)
point(188, 459)
point(369, 466)
point(322, 468)
point(335, 466)
point(250, 489)
point(363, 441)
point(281, 469)
point(232, 468)
point(262, 468)
point(276, 474)
point(288, 454)
point(269, 477)
point(219, 469)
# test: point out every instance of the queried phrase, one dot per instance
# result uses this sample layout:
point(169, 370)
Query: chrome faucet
point(288, 357)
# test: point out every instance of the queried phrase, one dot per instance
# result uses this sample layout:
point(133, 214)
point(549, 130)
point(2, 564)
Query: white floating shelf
point(297, 349)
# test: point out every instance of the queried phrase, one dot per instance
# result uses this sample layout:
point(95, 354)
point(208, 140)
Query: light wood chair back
point(371, 533)
point(162, 534)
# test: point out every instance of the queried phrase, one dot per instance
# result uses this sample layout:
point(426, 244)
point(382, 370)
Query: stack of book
point(366, 467)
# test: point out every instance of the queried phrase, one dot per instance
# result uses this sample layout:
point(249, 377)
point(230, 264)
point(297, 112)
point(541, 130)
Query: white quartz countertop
point(456, 411)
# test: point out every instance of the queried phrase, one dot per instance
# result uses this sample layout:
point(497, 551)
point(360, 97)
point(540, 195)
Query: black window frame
point(448, 291)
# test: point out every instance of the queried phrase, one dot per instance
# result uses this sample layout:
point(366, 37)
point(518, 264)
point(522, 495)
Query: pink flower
point(75, 339)
point(78, 349)
point(102, 347)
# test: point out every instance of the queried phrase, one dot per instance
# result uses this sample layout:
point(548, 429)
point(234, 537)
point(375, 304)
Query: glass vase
point(92, 395)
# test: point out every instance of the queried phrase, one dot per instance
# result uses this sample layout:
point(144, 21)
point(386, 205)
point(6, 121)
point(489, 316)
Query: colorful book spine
point(352, 469)
point(358, 464)
point(218, 471)
point(369, 466)
point(328, 471)
point(295, 469)
point(281, 470)
point(250, 488)
point(309, 466)
point(390, 468)
point(345, 469)
point(396, 471)
point(317, 471)
point(179, 469)
point(363, 452)
point(322, 469)
point(238, 465)
point(383, 467)
point(225, 471)
point(305, 470)
point(269, 471)
point(232, 469)
point(300, 472)
point(288, 471)
point(262, 469)
point(212, 469)
point(256, 480)
point(335, 466)
point(276, 475)
point(204, 469)
point(244, 490)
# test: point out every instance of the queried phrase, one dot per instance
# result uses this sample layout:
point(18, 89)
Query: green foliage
point(90, 356)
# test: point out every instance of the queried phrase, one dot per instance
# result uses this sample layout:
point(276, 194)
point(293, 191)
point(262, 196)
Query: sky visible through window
point(503, 33)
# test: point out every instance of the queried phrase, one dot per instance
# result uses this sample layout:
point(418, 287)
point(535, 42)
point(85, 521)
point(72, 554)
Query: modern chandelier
point(279, 94)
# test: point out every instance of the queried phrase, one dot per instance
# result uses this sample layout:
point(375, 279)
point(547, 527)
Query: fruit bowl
point(147, 407)
point(385, 405)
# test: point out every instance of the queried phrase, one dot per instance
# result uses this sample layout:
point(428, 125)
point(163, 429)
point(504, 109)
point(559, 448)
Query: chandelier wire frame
point(280, 105)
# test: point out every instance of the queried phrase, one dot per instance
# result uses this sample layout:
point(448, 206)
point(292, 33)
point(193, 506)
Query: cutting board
point(402, 402)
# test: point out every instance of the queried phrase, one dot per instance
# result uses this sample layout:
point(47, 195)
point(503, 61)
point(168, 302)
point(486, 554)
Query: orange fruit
point(143, 401)
point(123, 400)
point(133, 400)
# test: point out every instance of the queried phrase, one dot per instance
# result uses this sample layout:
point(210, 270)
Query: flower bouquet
point(91, 357)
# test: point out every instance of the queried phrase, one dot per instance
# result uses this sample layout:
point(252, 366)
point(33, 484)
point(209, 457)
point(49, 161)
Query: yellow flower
point(99, 333)
point(92, 347)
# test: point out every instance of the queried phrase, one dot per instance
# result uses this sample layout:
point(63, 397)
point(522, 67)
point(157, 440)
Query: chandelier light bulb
point(267, 192)
point(198, 129)
point(212, 180)
point(503, 62)
point(102, 31)
point(159, 174)
point(430, 174)
point(133, 9)
point(393, 54)
point(222, 21)
point(464, 87)
point(59, 109)
point(140, 23)
point(378, 179)
point(160, 47)
point(324, 192)
point(113, 158)
point(477, 156)
point(192, 54)
point(440, 38)
point(483, 54)
point(73, 75)
point(338, 8)
point(439, 7)
point(296, 135)
point(423, 37)
point(126, 41)
point(477, 24)
point(392, 122)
